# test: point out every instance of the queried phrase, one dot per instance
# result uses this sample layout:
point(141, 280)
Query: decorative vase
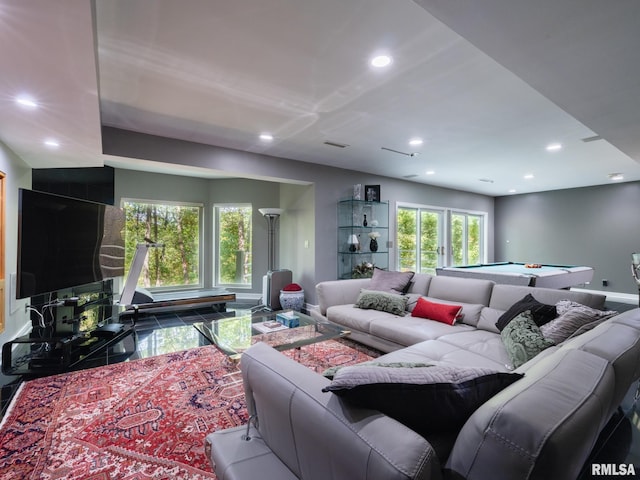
point(293, 300)
point(373, 245)
point(364, 222)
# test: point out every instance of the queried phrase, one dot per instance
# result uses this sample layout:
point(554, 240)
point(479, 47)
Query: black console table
point(36, 354)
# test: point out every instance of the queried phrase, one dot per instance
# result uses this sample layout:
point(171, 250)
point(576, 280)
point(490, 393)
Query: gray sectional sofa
point(543, 425)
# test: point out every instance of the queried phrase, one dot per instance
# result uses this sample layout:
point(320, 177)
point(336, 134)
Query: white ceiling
point(221, 72)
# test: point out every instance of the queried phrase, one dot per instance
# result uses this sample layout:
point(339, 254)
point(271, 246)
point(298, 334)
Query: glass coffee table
point(283, 330)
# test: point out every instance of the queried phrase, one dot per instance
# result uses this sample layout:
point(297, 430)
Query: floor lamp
point(272, 215)
point(275, 279)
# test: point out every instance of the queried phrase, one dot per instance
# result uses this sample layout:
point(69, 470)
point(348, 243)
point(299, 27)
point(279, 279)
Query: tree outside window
point(177, 227)
point(234, 230)
point(466, 237)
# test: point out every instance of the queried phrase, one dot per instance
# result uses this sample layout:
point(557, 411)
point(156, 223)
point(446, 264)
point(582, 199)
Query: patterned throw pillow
point(573, 318)
point(523, 339)
point(383, 301)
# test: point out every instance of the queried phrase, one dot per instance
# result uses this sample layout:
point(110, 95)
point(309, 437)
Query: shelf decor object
point(372, 193)
point(356, 255)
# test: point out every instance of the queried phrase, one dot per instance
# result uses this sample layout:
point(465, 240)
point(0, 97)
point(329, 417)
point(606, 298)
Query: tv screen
point(64, 242)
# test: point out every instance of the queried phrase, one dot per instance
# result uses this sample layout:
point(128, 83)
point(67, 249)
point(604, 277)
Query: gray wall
point(17, 175)
point(310, 192)
point(594, 226)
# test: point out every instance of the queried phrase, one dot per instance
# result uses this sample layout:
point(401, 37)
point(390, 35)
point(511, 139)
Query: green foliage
point(407, 244)
point(465, 239)
point(175, 226)
point(234, 255)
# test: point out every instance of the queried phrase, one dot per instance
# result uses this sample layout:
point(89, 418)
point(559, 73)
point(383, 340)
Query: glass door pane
point(407, 239)
point(420, 239)
point(431, 241)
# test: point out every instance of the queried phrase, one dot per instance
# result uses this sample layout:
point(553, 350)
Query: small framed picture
point(372, 193)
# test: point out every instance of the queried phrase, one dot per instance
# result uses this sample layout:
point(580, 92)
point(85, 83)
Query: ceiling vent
point(336, 144)
point(592, 139)
point(410, 176)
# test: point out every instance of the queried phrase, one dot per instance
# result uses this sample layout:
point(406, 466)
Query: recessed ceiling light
point(528, 176)
point(430, 172)
point(512, 190)
point(51, 143)
point(26, 101)
point(381, 61)
point(616, 177)
point(553, 147)
point(415, 142)
point(266, 137)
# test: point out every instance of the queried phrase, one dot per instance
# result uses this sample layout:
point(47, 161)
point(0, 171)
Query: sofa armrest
point(339, 292)
point(319, 437)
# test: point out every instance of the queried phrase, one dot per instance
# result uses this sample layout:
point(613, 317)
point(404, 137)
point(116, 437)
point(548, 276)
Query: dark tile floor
point(169, 332)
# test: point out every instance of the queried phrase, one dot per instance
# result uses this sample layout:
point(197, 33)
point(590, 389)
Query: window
point(466, 238)
point(429, 237)
point(175, 226)
point(233, 248)
point(420, 239)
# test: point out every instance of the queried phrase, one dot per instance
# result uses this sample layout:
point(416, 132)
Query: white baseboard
point(619, 297)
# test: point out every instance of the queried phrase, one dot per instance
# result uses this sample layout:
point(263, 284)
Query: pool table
point(514, 273)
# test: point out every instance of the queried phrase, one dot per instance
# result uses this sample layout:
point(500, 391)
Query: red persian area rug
point(144, 419)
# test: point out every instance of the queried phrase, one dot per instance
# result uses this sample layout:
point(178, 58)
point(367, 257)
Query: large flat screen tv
point(64, 242)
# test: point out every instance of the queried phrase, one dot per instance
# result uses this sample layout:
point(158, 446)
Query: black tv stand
point(38, 355)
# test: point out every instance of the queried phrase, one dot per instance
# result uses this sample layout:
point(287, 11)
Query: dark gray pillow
point(542, 313)
point(383, 301)
point(426, 399)
point(523, 339)
point(392, 282)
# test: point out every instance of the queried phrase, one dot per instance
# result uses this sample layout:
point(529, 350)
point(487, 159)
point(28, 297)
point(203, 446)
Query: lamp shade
point(271, 211)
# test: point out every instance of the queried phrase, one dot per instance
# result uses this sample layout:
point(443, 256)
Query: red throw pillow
point(439, 312)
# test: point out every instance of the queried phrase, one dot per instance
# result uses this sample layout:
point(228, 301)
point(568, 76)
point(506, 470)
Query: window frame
point(201, 264)
point(216, 245)
point(447, 233)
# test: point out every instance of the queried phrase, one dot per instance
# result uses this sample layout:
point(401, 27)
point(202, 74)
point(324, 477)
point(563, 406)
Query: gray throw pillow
point(382, 301)
point(574, 317)
point(392, 282)
point(523, 339)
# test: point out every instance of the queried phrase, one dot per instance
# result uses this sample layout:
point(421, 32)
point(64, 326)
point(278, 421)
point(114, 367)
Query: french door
point(421, 239)
point(432, 237)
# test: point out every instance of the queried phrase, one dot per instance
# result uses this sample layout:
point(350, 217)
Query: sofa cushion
point(419, 284)
point(523, 339)
point(425, 398)
point(409, 330)
point(573, 318)
point(542, 426)
point(468, 348)
point(383, 301)
point(440, 312)
point(392, 282)
point(466, 290)
point(488, 319)
point(503, 296)
point(542, 313)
